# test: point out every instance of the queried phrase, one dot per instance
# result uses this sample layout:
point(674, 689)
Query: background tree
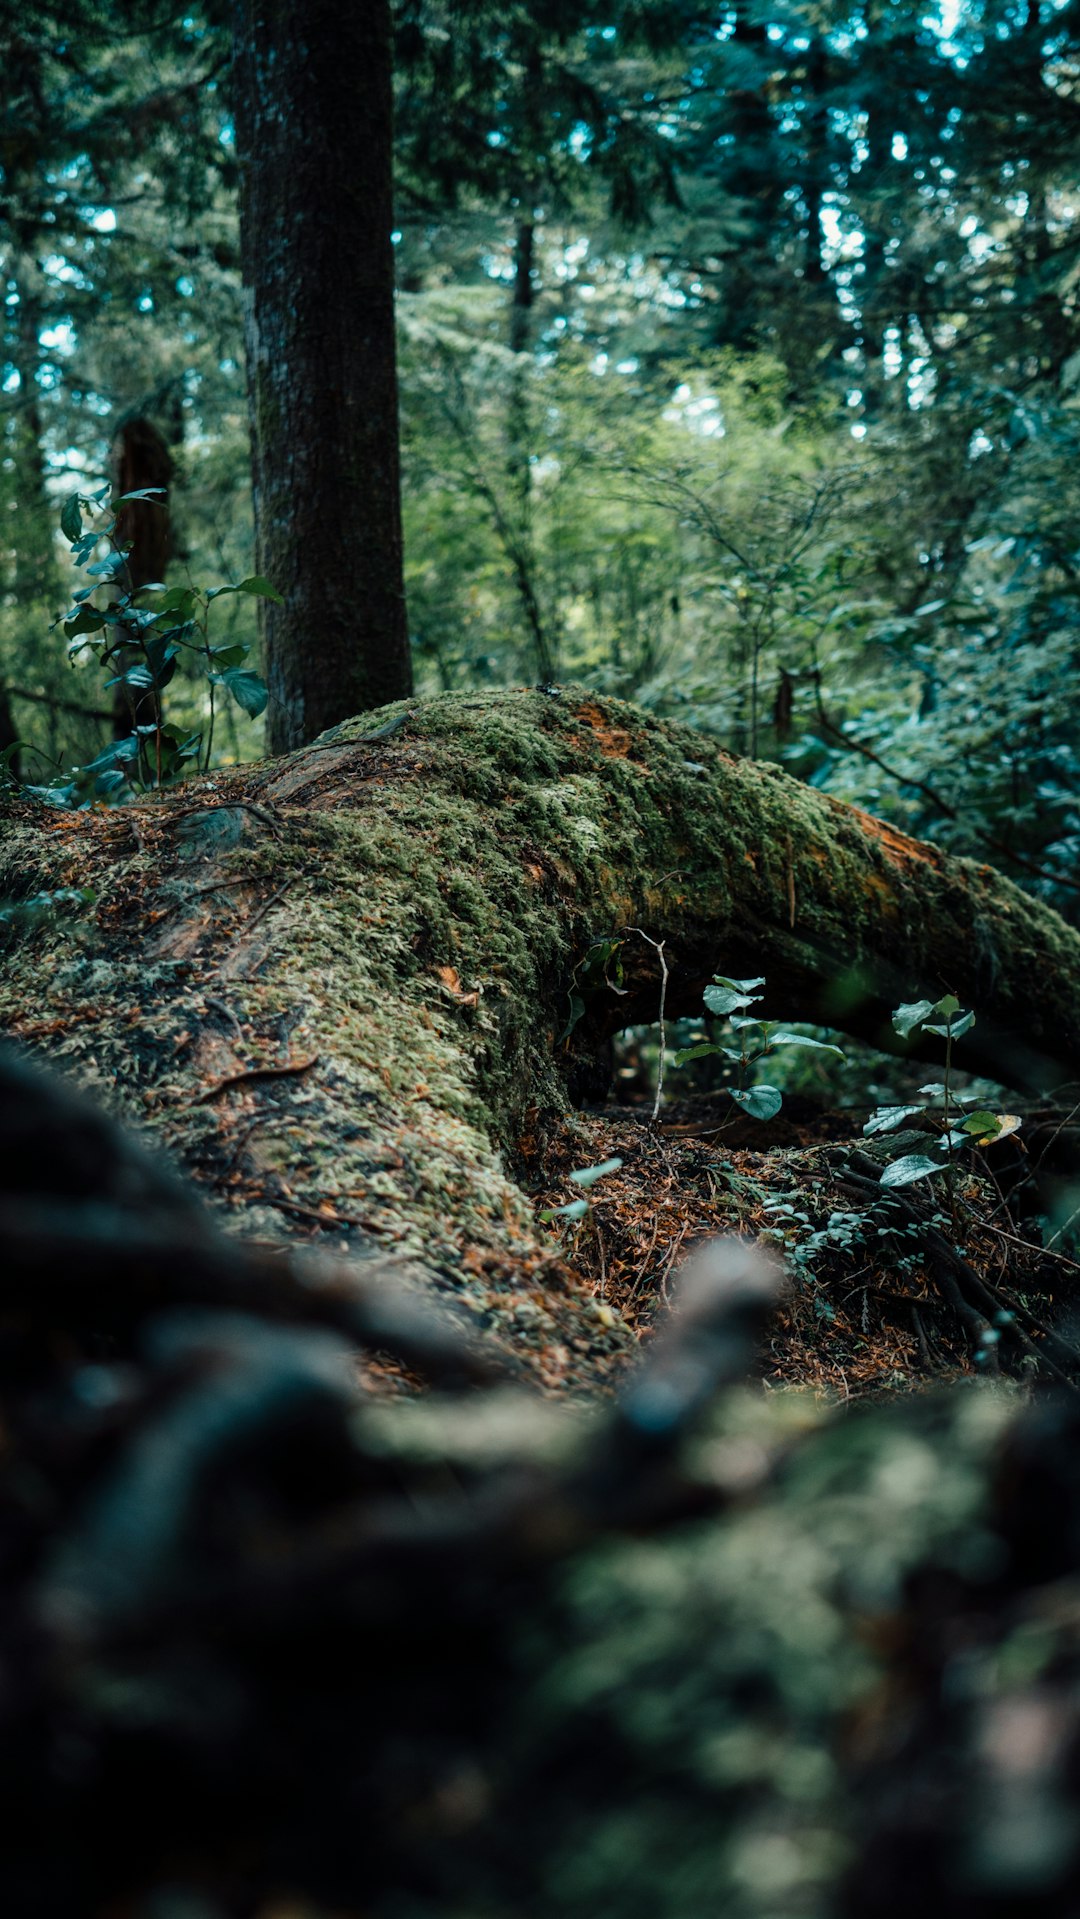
point(312, 84)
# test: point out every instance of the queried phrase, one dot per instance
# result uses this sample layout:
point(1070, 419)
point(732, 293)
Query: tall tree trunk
point(542, 639)
point(313, 101)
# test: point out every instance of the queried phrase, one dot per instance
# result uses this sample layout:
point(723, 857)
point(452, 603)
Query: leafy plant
point(140, 648)
point(20, 916)
point(755, 1040)
point(584, 1176)
point(950, 1022)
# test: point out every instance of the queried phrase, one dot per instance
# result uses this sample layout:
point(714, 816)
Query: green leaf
point(108, 568)
point(261, 589)
point(86, 619)
point(577, 1011)
point(588, 1175)
point(798, 1039)
point(71, 518)
point(888, 1117)
point(947, 1006)
point(954, 1028)
point(700, 1051)
point(246, 688)
point(256, 585)
point(576, 1209)
point(174, 599)
point(761, 1102)
point(145, 493)
point(906, 1018)
point(224, 656)
point(109, 781)
point(731, 995)
point(115, 754)
point(913, 1166)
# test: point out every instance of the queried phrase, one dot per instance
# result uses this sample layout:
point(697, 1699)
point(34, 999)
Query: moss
point(411, 910)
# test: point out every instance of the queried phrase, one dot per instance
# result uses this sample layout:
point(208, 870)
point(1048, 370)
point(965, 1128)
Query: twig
point(219, 1006)
point(312, 1212)
point(658, 946)
point(670, 1263)
point(264, 909)
point(251, 1074)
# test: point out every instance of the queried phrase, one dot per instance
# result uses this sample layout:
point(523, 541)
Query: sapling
point(140, 647)
point(757, 1039)
point(947, 1019)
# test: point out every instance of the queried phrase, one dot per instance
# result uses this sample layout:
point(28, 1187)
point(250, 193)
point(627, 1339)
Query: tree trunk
point(334, 987)
point(141, 460)
point(313, 120)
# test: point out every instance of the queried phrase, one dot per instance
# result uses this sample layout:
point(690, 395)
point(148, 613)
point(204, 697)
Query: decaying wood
point(417, 918)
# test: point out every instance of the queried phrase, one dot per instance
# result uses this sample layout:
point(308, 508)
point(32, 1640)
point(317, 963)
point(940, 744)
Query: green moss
point(411, 910)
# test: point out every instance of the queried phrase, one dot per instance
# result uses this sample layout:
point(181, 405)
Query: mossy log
point(333, 986)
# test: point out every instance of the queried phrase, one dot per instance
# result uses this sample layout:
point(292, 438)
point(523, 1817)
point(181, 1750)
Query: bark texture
point(333, 987)
point(312, 86)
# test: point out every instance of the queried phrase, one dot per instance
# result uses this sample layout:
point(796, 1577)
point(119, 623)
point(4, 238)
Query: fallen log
point(333, 986)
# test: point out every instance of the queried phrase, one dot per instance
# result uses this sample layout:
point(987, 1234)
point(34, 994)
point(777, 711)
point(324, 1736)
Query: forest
point(540, 959)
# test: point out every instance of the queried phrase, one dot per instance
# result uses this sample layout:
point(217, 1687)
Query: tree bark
point(334, 987)
point(312, 86)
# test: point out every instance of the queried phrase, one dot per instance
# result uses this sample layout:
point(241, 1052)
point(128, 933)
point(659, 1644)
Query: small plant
point(755, 1040)
point(582, 1210)
point(950, 1022)
point(141, 646)
point(584, 1176)
point(41, 909)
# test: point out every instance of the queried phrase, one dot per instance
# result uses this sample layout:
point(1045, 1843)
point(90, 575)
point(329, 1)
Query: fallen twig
point(253, 1073)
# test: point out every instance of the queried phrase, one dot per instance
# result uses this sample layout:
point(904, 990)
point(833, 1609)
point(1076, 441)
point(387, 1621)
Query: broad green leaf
point(955, 1028)
point(799, 1039)
point(888, 1117)
point(71, 518)
point(577, 1011)
point(906, 1018)
point(117, 753)
point(246, 688)
point(700, 1051)
point(261, 589)
point(174, 599)
point(576, 1209)
point(588, 1175)
point(913, 1166)
point(256, 585)
point(52, 795)
point(947, 1006)
point(108, 568)
point(761, 1102)
point(86, 619)
point(729, 996)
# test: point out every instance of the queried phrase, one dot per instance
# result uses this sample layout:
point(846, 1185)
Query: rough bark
point(312, 89)
point(333, 987)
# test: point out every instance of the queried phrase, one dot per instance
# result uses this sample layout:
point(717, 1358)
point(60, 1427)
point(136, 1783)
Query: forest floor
point(862, 1315)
